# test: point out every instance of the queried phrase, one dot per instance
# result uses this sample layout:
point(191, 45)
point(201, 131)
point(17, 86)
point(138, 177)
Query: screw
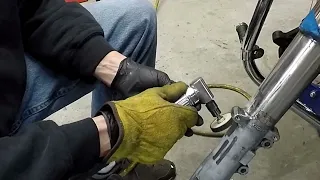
point(266, 143)
point(313, 94)
point(243, 170)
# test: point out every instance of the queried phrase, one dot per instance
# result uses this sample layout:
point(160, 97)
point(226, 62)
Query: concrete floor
point(198, 38)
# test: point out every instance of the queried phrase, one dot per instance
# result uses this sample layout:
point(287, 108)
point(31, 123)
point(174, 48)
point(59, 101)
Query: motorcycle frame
point(254, 125)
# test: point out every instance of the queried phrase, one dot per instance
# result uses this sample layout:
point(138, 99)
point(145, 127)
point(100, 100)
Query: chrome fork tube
point(250, 39)
point(254, 125)
point(248, 36)
point(296, 69)
point(256, 23)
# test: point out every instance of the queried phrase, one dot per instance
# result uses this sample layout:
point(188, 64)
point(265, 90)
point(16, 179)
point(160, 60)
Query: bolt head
point(313, 94)
point(266, 143)
point(243, 170)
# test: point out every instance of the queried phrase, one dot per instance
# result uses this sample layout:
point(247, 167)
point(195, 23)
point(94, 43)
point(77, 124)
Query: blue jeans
point(129, 26)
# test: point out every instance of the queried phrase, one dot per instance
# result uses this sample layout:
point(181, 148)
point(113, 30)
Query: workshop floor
point(198, 38)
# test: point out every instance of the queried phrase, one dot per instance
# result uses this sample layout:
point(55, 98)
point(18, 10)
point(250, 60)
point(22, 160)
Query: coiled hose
point(199, 132)
point(213, 86)
point(195, 131)
point(221, 86)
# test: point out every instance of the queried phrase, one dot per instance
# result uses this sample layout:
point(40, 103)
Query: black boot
point(163, 170)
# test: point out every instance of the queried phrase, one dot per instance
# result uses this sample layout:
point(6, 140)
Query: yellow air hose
point(156, 4)
point(221, 86)
point(199, 132)
point(212, 86)
point(195, 131)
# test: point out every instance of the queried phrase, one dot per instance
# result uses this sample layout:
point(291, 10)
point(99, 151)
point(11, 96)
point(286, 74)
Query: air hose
point(156, 4)
point(195, 131)
point(213, 86)
point(221, 86)
point(199, 132)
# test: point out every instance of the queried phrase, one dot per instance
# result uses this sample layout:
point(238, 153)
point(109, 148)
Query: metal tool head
point(221, 124)
point(190, 98)
point(205, 95)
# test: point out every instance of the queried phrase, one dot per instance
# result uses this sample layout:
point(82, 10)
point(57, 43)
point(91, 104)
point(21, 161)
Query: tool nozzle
point(214, 109)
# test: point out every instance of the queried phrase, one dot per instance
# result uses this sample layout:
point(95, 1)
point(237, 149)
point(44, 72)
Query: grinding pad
point(221, 124)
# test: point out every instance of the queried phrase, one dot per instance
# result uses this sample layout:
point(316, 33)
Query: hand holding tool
point(199, 92)
point(147, 128)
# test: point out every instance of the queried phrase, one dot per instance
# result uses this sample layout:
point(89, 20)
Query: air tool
point(198, 92)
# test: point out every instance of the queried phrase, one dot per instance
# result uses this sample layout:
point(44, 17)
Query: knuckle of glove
point(192, 118)
point(163, 79)
point(188, 115)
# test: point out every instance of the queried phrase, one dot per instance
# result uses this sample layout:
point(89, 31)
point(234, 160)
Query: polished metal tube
point(248, 44)
point(256, 23)
point(298, 108)
point(316, 8)
point(296, 69)
point(250, 39)
point(255, 124)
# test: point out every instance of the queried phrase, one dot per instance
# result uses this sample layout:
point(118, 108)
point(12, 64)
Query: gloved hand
point(148, 124)
point(133, 78)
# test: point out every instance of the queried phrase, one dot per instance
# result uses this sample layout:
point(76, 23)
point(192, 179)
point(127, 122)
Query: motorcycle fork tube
point(295, 70)
point(248, 36)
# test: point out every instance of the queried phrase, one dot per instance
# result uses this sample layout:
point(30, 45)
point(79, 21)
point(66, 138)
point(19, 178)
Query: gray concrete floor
point(197, 38)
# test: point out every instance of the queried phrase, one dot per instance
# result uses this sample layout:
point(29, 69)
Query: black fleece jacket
point(66, 38)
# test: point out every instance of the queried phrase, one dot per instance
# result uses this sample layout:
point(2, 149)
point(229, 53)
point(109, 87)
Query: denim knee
point(141, 12)
point(140, 19)
point(130, 27)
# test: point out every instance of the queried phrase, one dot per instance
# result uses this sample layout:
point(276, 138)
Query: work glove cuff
point(123, 66)
point(121, 81)
point(115, 127)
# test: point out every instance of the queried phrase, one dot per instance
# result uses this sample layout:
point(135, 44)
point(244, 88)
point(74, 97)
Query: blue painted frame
point(310, 97)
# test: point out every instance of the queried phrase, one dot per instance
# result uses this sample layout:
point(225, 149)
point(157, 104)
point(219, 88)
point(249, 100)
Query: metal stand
point(254, 126)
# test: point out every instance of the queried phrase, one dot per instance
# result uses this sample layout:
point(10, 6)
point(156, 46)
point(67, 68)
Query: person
point(52, 53)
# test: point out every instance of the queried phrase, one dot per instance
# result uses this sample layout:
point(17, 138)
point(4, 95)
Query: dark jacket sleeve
point(45, 151)
point(64, 36)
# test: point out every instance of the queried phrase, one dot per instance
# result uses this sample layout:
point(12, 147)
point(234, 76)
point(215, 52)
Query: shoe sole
point(171, 174)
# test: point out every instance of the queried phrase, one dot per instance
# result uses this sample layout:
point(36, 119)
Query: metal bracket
point(239, 116)
point(271, 137)
point(247, 158)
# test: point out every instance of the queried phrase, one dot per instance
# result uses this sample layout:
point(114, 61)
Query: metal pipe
point(248, 43)
point(295, 70)
point(250, 39)
point(316, 8)
point(256, 23)
point(299, 108)
point(253, 72)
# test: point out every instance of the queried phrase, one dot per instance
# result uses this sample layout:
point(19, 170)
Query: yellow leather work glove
point(150, 124)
